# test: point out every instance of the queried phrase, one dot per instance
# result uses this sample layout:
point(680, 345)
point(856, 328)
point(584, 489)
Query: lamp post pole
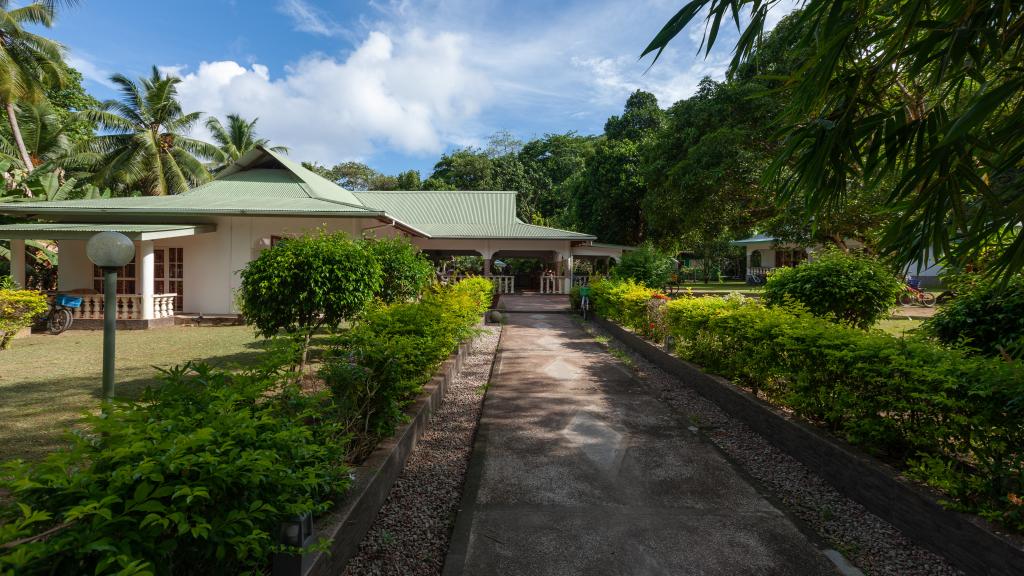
point(109, 330)
point(109, 251)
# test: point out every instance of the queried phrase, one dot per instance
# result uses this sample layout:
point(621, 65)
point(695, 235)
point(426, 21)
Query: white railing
point(129, 306)
point(503, 284)
point(163, 305)
point(554, 284)
point(580, 280)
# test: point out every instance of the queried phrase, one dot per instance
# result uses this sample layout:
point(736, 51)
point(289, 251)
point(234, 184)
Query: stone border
point(967, 541)
point(347, 524)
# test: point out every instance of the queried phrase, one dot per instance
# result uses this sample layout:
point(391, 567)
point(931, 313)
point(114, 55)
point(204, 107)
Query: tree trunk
point(12, 118)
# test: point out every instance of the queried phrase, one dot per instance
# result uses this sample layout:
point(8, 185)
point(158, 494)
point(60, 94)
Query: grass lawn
point(47, 382)
point(898, 327)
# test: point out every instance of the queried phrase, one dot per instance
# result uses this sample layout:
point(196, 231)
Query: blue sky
point(391, 83)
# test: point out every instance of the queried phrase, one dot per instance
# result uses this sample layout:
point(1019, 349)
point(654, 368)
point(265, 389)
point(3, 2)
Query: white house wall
point(75, 270)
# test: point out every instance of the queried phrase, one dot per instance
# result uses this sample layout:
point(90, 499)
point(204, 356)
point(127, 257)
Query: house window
point(125, 279)
point(789, 257)
point(169, 274)
point(755, 259)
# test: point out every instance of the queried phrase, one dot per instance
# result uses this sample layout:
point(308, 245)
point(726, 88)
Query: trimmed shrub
point(987, 317)
point(18, 309)
point(646, 265)
point(384, 361)
point(853, 289)
point(195, 479)
point(405, 270)
point(957, 422)
point(633, 305)
point(305, 283)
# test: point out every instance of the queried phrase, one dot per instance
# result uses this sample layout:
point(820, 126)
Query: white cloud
point(307, 18)
point(89, 69)
point(412, 93)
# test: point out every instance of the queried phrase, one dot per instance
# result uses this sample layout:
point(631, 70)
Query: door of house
point(169, 274)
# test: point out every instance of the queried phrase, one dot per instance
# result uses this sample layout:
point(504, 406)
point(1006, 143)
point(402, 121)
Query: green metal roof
point(64, 231)
point(470, 214)
point(264, 183)
point(261, 182)
point(756, 239)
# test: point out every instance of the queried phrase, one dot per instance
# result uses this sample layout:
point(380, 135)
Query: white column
point(18, 262)
point(146, 277)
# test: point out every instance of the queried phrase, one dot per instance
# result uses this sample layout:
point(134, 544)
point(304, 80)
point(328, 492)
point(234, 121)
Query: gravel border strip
point(869, 542)
point(412, 530)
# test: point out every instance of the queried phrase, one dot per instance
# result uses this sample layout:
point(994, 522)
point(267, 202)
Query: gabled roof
point(469, 214)
point(265, 183)
point(261, 182)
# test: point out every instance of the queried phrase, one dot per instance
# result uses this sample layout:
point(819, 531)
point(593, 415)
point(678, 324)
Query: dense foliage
point(18, 309)
point(303, 284)
point(920, 100)
point(646, 265)
point(195, 479)
point(956, 421)
point(405, 271)
point(384, 361)
point(855, 289)
point(987, 317)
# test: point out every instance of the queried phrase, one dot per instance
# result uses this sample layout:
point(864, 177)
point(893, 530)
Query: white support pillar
point(18, 262)
point(145, 270)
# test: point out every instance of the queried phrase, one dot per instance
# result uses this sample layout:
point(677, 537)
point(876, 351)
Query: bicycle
point(60, 317)
point(913, 295)
point(584, 300)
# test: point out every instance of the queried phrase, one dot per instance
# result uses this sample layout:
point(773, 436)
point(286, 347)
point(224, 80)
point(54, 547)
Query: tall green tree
point(922, 100)
point(236, 139)
point(641, 117)
point(608, 196)
point(29, 63)
point(144, 146)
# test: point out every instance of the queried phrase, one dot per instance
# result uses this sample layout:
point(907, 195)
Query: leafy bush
point(956, 421)
point(854, 289)
point(630, 304)
point(384, 361)
point(987, 317)
point(406, 272)
point(645, 265)
point(305, 283)
point(193, 480)
point(18, 309)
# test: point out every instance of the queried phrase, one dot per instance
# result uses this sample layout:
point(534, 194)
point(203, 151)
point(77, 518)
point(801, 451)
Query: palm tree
point(28, 62)
point(143, 145)
point(236, 139)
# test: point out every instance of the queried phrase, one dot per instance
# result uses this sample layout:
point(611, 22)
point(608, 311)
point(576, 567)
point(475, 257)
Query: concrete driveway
point(578, 469)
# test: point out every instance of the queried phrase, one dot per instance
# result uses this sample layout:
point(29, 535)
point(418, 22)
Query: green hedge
point(631, 304)
point(384, 361)
point(955, 421)
point(196, 478)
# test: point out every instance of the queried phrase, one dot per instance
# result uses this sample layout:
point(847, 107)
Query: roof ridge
point(434, 192)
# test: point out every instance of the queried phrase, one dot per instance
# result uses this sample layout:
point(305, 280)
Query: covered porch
point(558, 260)
point(151, 289)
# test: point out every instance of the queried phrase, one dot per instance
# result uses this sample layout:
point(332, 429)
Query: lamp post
point(110, 251)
